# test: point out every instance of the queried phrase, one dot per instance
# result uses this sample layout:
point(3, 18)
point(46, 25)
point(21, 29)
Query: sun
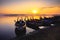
point(34, 11)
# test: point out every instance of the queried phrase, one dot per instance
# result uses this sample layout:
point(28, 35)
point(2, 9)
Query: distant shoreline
point(26, 15)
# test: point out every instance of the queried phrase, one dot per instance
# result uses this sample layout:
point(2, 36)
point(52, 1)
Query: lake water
point(7, 28)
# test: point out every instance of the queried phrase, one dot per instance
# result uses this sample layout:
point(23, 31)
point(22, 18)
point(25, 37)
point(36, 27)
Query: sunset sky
point(29, 6)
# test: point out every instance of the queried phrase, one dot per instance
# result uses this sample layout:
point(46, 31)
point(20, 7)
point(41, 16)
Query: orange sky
point(29, 10)
point(26, 7)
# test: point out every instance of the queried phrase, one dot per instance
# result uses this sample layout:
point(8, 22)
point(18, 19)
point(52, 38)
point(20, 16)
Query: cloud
point(52, 7)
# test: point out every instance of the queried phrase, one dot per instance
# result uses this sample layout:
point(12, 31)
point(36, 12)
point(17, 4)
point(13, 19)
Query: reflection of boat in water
point(20, 30)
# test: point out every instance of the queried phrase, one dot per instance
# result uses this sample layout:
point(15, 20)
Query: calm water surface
point(7, 28)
